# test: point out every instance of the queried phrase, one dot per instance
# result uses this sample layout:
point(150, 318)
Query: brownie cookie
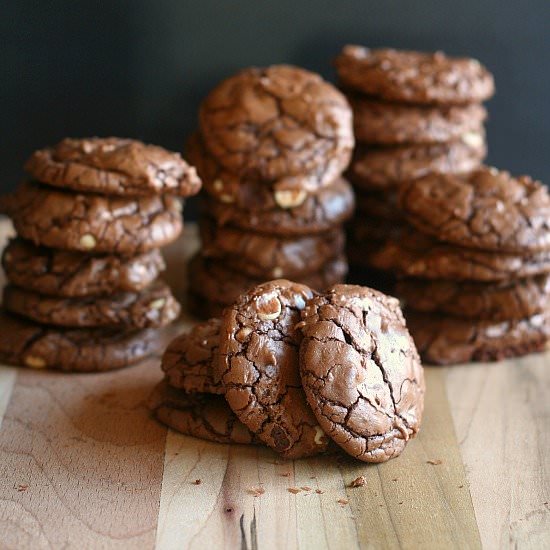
point(414, 77)
point(258, 366)
point(90, 222)
point(383, 168)
point(189, 359)
point(73, 274)
point(313, 213)
point(213, 286)
point(153, 307)
point(199, 415)
point(500, 301)
point(486, 209)
point(269, 257)
point(449, 340)
point(395, 123)
point(113, 166)
point(23, 343)
point(417, 255)
point(360, 371)
point(276, 122)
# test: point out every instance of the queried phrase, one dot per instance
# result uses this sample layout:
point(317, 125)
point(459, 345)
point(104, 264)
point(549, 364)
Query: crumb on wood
point(435, 461)
point(294, 490)
point(319, 492)
point(197, 482)
point(460, 486)
point(401, 502)
point(285, 474)
point(358, 482)
point(22, 487)
point(394, 479)
point(256, 491)
point(342, 501)
point(306, 488)
point(312, 477)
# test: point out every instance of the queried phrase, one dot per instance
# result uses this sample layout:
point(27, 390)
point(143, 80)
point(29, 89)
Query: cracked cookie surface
point(487, 209)
point(113, 166)
point(72, 274)
point(189, 359)
point(258, 367)
point(152, 307)
point(275, 122)
point(24, 343)
point(92, 223)
point(204, 416)
point(414, 77)
point(361, 372)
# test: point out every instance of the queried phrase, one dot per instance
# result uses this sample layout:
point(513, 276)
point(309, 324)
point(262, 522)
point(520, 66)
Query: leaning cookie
point(204, 416)
point(113, 166)
point(361, 372)
point(258, 367)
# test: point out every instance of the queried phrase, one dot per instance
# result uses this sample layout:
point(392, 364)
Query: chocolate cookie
point(213, 286)
point(387, 123)
point(153, 307)
point(113, 166)
point(277, 122)
point(87, 222)
point(416, 255)
point(486, 209)
point(189, 359)
point(269, 257)
point(259, 369)
point(500, 301)
point(200, 415)
point(414, 77)
point(383, 168)
point(23, 343)
point(316, 212)
point(360, 371)
point(449, 340)
point(73, 274)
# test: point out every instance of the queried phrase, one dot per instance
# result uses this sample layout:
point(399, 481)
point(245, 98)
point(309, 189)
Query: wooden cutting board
point(83, 466)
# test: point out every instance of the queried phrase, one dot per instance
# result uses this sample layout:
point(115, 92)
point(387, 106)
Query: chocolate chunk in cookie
point(500, 301)
point(265, 256)
point(387, 123)
point(361, 372)
point(73, 274)
point(113, 166)
point(277, 122)
point(259, 345)
point(487, 209)
point(383, 168)
point(203, 416)
point(189, 360)
point(448, 340)
point(153, 307)
point(24, 343)
point(93, 223)
point(414, 77)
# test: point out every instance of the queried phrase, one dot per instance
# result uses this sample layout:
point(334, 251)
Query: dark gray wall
point(139, 68)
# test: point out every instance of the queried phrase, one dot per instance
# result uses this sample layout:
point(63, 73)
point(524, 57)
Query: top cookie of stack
point(83, 269)
point(272, 145)
point(414, 114)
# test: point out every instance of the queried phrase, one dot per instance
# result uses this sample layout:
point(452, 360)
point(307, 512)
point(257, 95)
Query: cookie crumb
point(312, 477)
point(435, 461)
point(285, 474)
point(358, 482)
point(460, 486)
point(256, 491)
point(294, 490)
point(394, 479)
point(319, 492)
point(305, 488)
point(197, 482)
point(21, 488)
point(342, 501)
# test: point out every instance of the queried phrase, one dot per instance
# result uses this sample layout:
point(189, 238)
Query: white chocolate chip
point(320, 436)
point(472, 139)
point(242, 334)
point(268, 307)
point(290, 198)
point(158, 303)
point(35, 362)
point(277, 272)
point(88, 241)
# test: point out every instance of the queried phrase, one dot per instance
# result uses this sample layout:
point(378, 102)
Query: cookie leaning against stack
point(271, 147)
point(475, 265)
point(414, 114)
point(295, 370)
point(83, 292)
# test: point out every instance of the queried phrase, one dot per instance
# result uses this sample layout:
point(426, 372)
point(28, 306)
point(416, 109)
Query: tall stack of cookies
point(414, 114)
point(271, 148)
point(475, 265)
point(83, 292)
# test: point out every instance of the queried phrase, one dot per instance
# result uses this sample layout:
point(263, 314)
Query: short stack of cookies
point(414, 114)
point(474, 265)
point(83, 292)
point(271, 147)
point(298, 371)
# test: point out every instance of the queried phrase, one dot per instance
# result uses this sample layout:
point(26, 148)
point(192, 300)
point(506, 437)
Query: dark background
point(139, 68)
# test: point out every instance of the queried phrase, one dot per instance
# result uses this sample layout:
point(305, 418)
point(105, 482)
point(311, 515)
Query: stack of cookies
point(414, 114)
point(83, 292)
point(271, 148)
point(475, 265)
point(296, 370)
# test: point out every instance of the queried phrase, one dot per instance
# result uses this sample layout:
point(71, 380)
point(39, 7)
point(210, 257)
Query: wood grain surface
point(82, 465)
